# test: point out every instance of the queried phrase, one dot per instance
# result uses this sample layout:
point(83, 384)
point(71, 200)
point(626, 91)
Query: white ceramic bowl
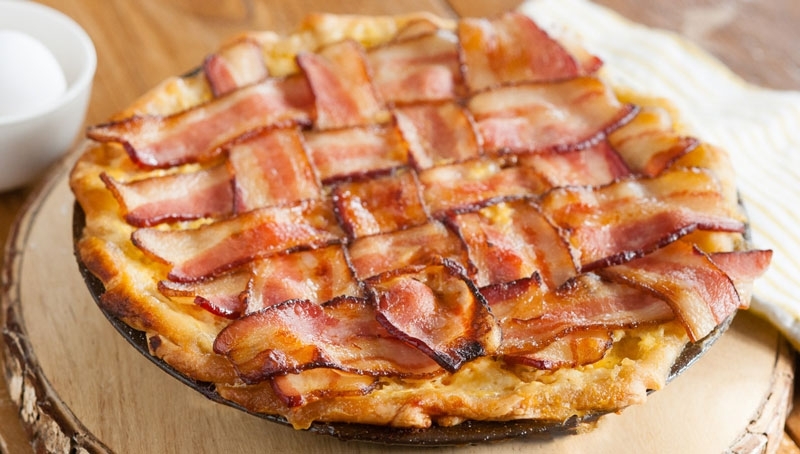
point(30, 143)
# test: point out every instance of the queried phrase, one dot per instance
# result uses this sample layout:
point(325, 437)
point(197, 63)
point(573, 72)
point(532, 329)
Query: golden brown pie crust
point(484, 389)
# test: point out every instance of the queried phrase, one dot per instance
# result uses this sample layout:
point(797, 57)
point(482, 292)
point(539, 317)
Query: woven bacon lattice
point(404, 209)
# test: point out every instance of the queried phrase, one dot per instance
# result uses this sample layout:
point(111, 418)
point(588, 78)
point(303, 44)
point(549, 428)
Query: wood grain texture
point(757, 40)
point(140, 43)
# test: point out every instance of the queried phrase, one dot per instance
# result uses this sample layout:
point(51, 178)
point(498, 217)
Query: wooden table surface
point(140, 43)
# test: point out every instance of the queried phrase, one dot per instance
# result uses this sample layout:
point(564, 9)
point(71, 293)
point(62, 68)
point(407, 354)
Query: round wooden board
point(81, 386)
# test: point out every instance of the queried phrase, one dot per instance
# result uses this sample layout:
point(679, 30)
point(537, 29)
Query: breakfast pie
point(412, 222)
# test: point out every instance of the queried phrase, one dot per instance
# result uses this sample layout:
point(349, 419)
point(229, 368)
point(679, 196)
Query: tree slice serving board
point(81, 387)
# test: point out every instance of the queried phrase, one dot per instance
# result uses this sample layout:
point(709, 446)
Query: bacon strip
point(220, 295)
point(511, 48)
point(632, 217)
point(379, 205)
point(339, 79)
point(271, 168)
point(235, 66)
point(572, 350)
point(177, 197)
point(476, 183)
point(353, 152)
point(546, 116)
point(595, 165)
point(520, 299)
point(700, 293)
point(317, 275)
point(439, 311)
point(422, 245)
point(298, 335)
point(511, 241)
point(649, 143)
point(214, 248)
point(296, 390)
point(197, 134)
point(420, 68)
point(438, 133)
point(582, 303)
point(743, 267)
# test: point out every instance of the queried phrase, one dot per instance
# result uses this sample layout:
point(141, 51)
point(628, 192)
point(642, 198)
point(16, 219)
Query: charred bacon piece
point(198, 134)
point(632, 217)
point(492, 53)
point(438, 310)
point(211, 249)
point(537, 117)
point(513, 240)
point(343, 93)
point(316, 275)
point(298, 335)
point(207, 193)
point(531, 316)
point(701, 294)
